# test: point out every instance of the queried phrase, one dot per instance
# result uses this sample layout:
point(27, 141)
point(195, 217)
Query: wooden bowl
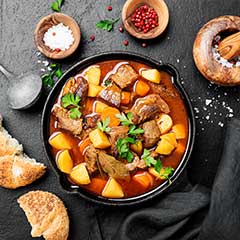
point(210, 68)
point(46, 23)
point(158, 5)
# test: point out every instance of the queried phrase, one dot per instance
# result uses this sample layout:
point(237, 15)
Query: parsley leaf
point(72, 100)
point(125, 120)
point(75, 113)
point(166, 173)
point(158, 166)
point(135, 131)
point(47, 80)
point(103, 126)
point(55, 72)
point(107, 82)
point(106, 24)
point(123, 148)
point(56, 5)
point(149, 160)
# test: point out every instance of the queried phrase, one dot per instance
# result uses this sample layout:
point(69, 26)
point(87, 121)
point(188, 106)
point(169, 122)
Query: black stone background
point(17, 52)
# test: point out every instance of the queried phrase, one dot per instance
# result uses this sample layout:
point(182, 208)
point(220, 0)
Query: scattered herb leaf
point(47, 80)
point(75, 113)
point(72, 100)
point(107, 82)
point(125, 120)
point(123, 148)
point(166, 173)
point(106, 24)
point(149, 160)
point(133, 130)
point(158, 166)
point(55, 72)
point(103, 126)
point(56, 5)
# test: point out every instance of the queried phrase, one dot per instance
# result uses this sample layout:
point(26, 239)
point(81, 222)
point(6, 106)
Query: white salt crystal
point(208, 101)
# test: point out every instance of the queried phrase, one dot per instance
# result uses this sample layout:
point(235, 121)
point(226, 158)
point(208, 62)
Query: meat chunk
point(163, 91)
point(124, 76)
point(115, 134)
point(91, 120)
point(136, 163)
point(151, 133)
point(91, 158)
point(77, 86)
point(111, 94)
point(113, 167)
point(67, 123)
point(148, 107)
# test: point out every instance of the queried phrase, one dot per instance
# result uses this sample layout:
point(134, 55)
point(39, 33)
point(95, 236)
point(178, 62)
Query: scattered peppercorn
point(144, 45)
point(109, 8)
point(120, 29)
point(92, 37)
point(125, 42)
point(145, 18)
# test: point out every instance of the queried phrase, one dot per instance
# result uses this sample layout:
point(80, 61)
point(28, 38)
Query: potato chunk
point(164, 123)
point(179, 131)
point(137, 147)
point(94, 90)
point(93, 75)
point(152, 75)
point(164, 147)
point(112, 189)
point(99, 139)
point(59, 141)
point(171, 138)
point(79, 174)
point(155, 173)
point(64, 161)
point(99, 106)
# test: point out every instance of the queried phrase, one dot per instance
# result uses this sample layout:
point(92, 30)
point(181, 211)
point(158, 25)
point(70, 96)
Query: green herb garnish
point(56, 5)
point(133, 130)
point(103, 126)
point(148, 159)
point(125, 120)
point(123, 148)
point(107, 82)
point(166, 173)
point(55, 72)
point(106, 24)
point(72, 100)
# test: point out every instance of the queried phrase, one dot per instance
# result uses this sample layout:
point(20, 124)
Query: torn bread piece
point(8, 145)
point(47, 215)
point(16, 168)
point(19, 170)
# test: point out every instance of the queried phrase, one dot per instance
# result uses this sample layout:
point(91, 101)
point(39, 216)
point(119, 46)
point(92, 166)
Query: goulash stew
point(118, 129)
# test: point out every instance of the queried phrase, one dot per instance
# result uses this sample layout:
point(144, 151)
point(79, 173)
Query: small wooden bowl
point(46, 23)
point(158, 5)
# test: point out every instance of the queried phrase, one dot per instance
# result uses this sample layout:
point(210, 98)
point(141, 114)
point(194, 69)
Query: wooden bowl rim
point(76, 33)
point(163, 22)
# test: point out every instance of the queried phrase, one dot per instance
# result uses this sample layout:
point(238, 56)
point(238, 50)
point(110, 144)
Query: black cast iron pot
point(66, 185)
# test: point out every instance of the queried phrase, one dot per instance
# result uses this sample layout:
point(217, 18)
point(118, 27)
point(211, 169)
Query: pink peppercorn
point(92, 37)
point(125, 42)
point(144, 18)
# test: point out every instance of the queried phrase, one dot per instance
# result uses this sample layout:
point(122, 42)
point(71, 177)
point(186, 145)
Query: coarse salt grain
point(58, 37)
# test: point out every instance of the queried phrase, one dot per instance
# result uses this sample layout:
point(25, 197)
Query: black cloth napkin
point(194, 212)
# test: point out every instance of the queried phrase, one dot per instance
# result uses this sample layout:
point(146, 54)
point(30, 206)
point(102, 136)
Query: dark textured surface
point(17, 52)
